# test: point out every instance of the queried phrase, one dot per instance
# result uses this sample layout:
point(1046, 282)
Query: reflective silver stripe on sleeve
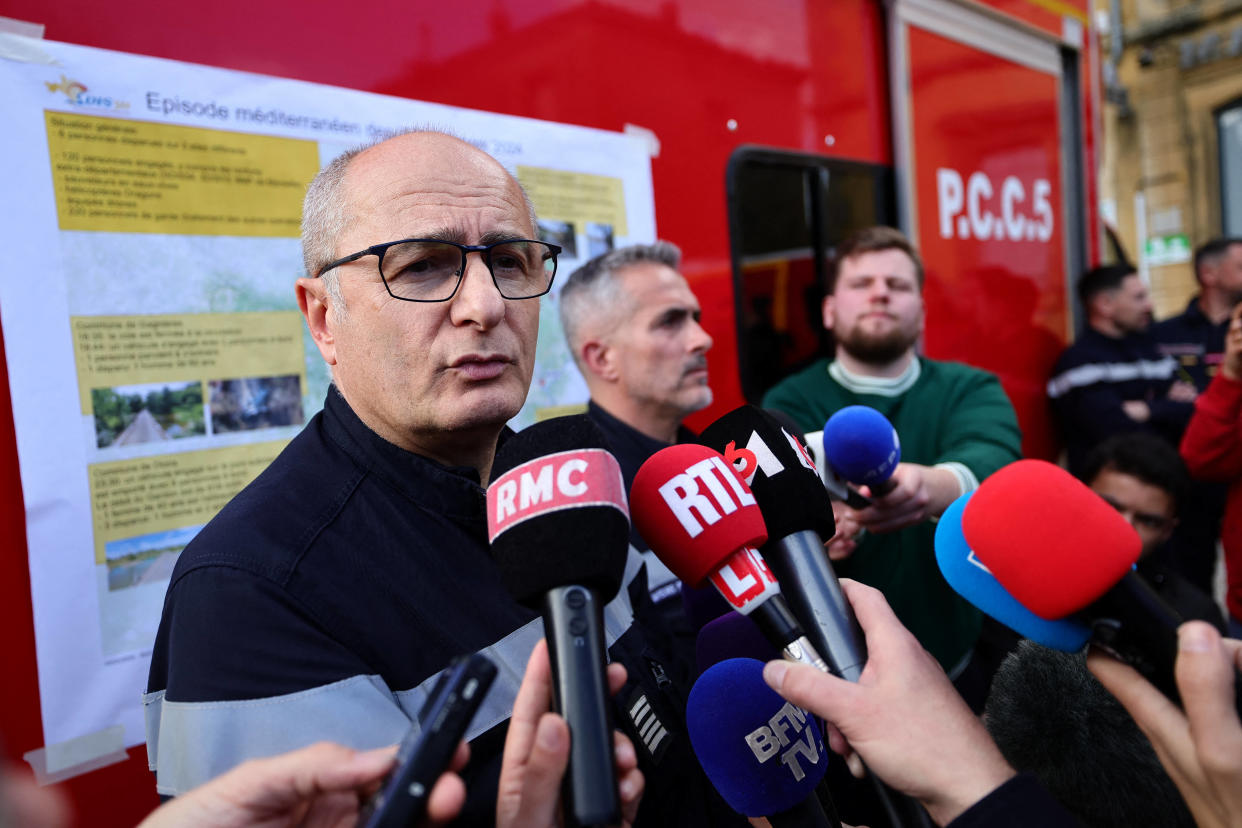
point(189, 743)
point(1093, 372)
point(192, 742)
point(511, 653)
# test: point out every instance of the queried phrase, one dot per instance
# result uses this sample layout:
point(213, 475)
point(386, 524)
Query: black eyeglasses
point(429, 270)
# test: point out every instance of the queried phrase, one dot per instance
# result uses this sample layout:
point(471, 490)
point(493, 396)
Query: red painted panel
point(805, 75)
point(985, 125)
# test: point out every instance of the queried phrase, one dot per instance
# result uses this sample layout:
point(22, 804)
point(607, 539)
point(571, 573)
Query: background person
point(1196, 339)
point(1112, 379)
point(955, 423)
point(1212, 449)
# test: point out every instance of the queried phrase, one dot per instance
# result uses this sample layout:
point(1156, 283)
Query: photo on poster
point(146, 559)
point(599, 239)
point(252, 403)
point(127, 415)
point(560, 233)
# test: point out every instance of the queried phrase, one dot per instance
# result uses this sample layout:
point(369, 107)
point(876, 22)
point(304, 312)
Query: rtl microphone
point(763, 754)
point(702, 522)
point(798, 515)
point(1060, 549)
point(862, 446)
point(972, 580)
point(559, 530)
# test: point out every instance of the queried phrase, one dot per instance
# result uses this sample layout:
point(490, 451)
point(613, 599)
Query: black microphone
point(558, 523)
point(798, 515)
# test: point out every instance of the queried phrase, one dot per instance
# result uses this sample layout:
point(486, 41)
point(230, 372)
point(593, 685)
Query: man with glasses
point(324, 600)
point(632, 324)
point(1143, 478)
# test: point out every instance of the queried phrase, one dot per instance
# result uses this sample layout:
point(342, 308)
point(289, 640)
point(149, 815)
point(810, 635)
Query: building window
point(1229, 139)
point(787, 212)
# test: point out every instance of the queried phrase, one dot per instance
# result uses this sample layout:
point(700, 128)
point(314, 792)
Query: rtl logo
point(704, 493)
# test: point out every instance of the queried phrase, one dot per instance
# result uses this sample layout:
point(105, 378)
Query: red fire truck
point(775, 129)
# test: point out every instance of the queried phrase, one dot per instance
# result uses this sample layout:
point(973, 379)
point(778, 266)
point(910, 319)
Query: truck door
point(987, 121)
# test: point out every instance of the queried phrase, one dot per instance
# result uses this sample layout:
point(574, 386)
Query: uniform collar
point(453, 491)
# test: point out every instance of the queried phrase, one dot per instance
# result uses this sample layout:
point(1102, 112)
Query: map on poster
point(156, 355)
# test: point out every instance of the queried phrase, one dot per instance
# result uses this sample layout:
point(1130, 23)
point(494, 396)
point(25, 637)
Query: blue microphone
point(763, 754)
point(861, 445)
point(972, 580)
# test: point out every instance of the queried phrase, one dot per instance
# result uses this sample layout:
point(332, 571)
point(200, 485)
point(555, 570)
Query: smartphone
point(426, 752)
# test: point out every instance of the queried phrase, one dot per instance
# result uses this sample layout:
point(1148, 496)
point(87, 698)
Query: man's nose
point(701, 342)
point(477, 301)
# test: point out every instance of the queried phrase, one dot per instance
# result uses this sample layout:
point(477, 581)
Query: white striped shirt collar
point(880, 386)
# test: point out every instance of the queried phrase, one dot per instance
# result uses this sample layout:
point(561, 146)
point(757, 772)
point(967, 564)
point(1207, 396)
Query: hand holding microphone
point(558, 525)
point(1201, 748)
point(861, 445)
point(1062, 551)
point(902, 716)
point(536, 753)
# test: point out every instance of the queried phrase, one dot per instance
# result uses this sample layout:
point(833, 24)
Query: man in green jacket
point(955, 423)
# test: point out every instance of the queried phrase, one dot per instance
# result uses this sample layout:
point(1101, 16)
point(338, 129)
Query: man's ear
point(600, 359)
point(829, 311)
point(316, 307)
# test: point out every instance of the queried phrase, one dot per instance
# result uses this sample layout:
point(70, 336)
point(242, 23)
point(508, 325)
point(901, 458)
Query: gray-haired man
point(632, 323)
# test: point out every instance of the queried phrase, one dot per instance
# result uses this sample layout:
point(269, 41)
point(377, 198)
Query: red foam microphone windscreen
point(1053, 543)
point(693, 510)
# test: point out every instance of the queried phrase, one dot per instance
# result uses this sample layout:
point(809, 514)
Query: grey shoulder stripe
point(1093, 372)
point(189, 743)
point(511, 653)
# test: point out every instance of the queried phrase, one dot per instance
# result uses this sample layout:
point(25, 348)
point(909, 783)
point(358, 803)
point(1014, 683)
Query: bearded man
point(955, 423)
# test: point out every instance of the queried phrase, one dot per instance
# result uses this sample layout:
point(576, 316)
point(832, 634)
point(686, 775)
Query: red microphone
point(1060, 549)
point(701, 520)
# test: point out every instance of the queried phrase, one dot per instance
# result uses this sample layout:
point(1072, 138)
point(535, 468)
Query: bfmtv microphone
point(763, 754)
point(702, 522)
point(1060, 549)
point(798, 515)
point(972, 580)
point(559, 526)
point(862, 446)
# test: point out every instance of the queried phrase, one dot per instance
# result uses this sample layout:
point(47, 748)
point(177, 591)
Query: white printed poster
point(156, 355)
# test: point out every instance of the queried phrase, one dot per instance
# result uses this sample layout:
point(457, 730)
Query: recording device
point(798, 515)
point(701, 520)
point(763, 754)
point(1061, 550)
point(971, 579)
point(861, 445)
point(426, 751)
point(558, 524)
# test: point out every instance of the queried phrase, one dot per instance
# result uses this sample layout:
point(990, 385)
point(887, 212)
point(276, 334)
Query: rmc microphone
point(702, 521)
point(1060, 549)
point(972, 580)
point(798, 515)
point(763, 754)
point(559, 526)
point(861, 445)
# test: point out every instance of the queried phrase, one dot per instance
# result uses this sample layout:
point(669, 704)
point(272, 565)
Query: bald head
point(357, 180)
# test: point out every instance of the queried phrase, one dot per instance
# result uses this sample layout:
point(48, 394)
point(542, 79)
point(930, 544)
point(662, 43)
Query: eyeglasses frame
point(484, 250)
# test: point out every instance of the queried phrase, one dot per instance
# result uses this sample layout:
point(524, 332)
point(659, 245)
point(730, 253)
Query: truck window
point(787, 211)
